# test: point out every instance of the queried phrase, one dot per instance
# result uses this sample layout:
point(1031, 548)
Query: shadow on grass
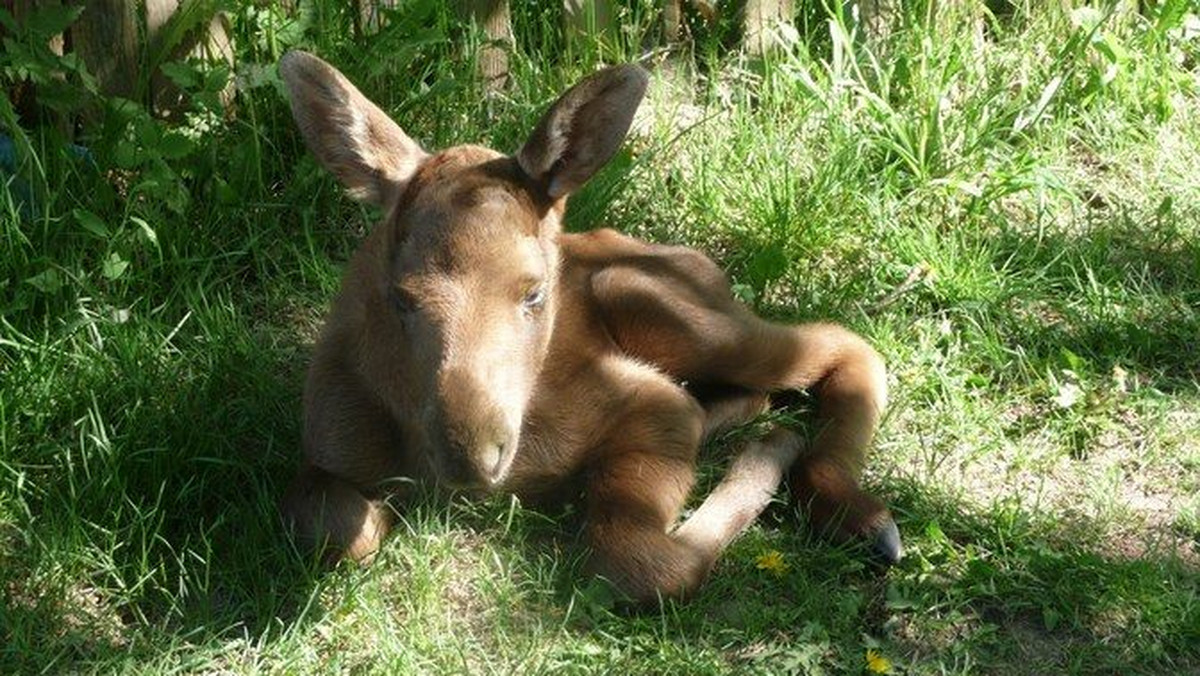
point(150, 502)
point(1027, 592)
point(1122, 292)
point(168, 542)
point(153, 526)
point(1002, 589)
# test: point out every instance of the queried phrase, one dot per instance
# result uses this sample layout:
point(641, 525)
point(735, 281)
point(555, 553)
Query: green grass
point(1012, 219)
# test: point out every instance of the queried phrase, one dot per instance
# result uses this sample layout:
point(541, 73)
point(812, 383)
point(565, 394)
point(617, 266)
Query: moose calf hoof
point(876, 529)
point(886, 544)
point(838, 508)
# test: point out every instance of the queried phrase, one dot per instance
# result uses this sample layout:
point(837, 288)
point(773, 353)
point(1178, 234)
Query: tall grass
point(1008, 213)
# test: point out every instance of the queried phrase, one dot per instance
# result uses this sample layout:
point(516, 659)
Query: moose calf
point(477, 346)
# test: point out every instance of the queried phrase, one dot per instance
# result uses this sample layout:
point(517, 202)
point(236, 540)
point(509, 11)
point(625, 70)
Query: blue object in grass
point(19, 190)
point(20, 193)
point(8, 154)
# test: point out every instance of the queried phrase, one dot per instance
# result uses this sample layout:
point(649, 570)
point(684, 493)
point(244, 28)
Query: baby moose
point(476, 346)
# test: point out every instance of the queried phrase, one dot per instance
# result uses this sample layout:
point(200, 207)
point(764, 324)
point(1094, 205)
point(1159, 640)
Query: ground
point(1012, 222)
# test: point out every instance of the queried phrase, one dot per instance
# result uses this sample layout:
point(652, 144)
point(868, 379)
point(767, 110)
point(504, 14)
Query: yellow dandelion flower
point(772, 562)
point(878, 664)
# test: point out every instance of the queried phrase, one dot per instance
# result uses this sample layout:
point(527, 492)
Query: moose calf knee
point(333, 517)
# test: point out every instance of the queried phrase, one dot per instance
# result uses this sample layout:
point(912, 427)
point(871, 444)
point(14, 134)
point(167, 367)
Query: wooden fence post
point(495, 20)
point(762, 19)
point(211, 42)
point(106, 38)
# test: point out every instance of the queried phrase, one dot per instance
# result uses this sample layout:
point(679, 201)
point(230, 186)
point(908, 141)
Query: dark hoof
point(886, 543)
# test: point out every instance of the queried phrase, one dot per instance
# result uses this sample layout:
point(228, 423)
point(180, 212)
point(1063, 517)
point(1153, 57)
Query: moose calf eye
point(534, 300)
point(402, 301)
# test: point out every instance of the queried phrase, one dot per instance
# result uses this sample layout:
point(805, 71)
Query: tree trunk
point(761, 23)
point(370, 19)
point(212, 43)
point(106, 38)
point(494, 18)
point(672, 18)
point(591, 18)
point(873, 21)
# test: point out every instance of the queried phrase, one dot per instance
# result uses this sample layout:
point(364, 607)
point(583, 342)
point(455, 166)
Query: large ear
point(351, 136)
point(583, 129)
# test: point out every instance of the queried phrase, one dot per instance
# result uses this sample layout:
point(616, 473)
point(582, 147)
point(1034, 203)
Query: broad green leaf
point(1050, 617)
point(114, 266)
point(182, 74)
point(51, 20)
point(174, 145)
point(1072, 360)
point(91, 222)
point(147, 231)
point(46, 281)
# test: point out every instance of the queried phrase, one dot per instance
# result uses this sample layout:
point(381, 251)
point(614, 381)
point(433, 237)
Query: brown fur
point(475, 345)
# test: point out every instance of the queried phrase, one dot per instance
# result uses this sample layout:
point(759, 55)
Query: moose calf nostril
point(490, 461)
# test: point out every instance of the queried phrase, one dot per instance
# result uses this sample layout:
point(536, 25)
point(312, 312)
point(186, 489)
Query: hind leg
point(727, 407)
point(678, 314)
point(640, 478)
point(849, 383)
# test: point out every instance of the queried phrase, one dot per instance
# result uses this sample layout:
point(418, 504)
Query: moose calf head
point(458, 297)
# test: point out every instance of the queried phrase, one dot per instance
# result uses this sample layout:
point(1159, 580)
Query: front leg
point(332, 516)
point(353, 461)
